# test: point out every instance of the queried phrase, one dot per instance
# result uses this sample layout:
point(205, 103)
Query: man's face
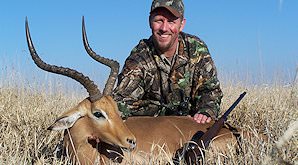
point(165, 29)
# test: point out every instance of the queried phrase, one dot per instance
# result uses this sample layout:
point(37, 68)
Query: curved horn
point(91, 88)
point(114, 65)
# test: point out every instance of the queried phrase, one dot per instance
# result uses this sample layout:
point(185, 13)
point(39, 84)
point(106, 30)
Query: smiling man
point(171, 73)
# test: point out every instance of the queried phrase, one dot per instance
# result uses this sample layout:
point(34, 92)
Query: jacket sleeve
point(130, 87)
point(207, 93)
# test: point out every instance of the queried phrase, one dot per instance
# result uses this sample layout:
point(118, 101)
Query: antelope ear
point(65, 122)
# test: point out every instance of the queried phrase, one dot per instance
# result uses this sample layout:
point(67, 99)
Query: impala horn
point(114, 65)
point(92, 89)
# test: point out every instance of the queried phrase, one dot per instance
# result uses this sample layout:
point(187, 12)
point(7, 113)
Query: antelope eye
point(98, 115)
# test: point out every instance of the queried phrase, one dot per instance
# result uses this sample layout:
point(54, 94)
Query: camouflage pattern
point(150, 84)
point(175, 6)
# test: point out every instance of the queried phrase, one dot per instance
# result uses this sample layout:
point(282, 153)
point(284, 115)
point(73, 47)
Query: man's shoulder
point(143, 45)
point(196, 46)
point(192, 39)
point(141, 53)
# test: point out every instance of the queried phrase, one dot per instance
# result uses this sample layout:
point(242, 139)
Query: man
point(171, 73)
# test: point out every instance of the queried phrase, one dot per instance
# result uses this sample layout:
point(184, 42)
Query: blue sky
point(253, 38)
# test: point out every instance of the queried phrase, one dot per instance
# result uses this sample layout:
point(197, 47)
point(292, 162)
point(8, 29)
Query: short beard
point(162, 48)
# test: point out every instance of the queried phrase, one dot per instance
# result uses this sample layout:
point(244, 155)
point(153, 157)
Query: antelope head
point(96, 117)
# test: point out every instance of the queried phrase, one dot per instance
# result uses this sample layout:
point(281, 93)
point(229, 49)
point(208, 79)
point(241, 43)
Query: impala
point(95, 132)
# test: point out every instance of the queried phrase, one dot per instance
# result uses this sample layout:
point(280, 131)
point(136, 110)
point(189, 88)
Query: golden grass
point(25, 114)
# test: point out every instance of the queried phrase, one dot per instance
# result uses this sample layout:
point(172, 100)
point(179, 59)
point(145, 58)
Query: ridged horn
point(114, 65)
point(92, 89)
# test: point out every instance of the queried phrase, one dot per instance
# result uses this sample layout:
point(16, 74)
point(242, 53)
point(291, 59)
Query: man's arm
point(130, 87)
point(207, 93)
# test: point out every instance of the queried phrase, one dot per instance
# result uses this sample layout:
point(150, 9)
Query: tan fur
point(169, 130)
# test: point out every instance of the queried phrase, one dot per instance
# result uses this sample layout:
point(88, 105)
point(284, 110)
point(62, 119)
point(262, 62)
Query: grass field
point(27, 109)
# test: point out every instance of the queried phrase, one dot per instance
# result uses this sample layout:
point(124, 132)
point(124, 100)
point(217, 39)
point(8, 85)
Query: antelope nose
point(132, 143)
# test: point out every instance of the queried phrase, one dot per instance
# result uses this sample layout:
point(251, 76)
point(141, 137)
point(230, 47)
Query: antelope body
point(94, 127)
point(164, 134)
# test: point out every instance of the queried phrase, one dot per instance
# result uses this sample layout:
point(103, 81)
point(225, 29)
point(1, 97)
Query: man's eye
point(158, 21)
point(98, 115)
point(171, 22)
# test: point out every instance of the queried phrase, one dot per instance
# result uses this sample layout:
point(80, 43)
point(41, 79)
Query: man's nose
point(164, 27)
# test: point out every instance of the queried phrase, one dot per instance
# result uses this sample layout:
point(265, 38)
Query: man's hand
point(201, 119)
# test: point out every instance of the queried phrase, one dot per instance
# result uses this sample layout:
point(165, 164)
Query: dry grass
point(25, 114)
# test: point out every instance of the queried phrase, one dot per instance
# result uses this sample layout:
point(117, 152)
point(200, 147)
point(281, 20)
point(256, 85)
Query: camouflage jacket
point(150, 84)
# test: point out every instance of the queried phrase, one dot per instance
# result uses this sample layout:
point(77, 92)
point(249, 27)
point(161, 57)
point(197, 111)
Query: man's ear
point(65, 122)
point(149, 20)
point(182, 24)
